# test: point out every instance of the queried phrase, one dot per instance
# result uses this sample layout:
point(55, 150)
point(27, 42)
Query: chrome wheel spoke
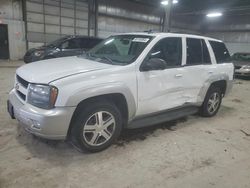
point(106, 134)
point(99, 119)
point(108, 122)
point(210, 108)
point(213, 102)
point(90, 128)
point(210, 101)
point(95, 138)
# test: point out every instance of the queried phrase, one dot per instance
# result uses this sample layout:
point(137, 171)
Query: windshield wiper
point(107, 59)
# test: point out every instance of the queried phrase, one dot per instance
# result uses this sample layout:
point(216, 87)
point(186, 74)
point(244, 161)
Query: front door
point(160, 90)
point(4, 42)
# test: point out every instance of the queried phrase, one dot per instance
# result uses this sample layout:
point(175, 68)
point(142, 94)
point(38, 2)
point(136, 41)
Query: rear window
point(220, 51)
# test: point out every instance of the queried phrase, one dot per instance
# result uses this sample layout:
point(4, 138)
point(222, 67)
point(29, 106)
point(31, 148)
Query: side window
point(65, 45)
point(71, 44)
point(205, 53)
point(194, 51)
point(93, 42)
point(168, 49)
point(84, 43)
point(220, 51)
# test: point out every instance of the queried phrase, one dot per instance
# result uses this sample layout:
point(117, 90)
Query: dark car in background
point(65, 46)
point(242, 64)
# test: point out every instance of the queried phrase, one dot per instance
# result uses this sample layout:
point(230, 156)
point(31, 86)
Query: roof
point(158, 34)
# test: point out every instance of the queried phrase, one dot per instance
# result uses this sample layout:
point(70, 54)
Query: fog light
point(35, 124)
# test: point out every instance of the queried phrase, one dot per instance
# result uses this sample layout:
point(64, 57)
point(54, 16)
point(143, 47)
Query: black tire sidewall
point(204, 109)
point(77, 132)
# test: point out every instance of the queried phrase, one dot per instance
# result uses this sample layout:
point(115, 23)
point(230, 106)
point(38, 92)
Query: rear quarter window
point(220, 51)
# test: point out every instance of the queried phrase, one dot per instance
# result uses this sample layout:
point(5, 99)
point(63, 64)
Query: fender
point(103, 89)
point(208, 82)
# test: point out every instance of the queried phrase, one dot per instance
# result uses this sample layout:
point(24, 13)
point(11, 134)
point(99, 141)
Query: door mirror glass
point(154, 64)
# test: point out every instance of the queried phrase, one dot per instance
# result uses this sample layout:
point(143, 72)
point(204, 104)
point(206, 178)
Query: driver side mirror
point(154, 64)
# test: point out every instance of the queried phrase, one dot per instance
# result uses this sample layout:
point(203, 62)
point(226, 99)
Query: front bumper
point(242, 72)
point(50, 124)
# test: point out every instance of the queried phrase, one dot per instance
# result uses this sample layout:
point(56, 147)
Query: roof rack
point(150, 31)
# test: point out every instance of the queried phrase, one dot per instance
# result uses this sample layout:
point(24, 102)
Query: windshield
point(57, 42)
point(241, 57)
point(120, 49)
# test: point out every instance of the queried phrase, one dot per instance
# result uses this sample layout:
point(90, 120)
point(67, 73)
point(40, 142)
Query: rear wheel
point(97, 126)
point(212, 102)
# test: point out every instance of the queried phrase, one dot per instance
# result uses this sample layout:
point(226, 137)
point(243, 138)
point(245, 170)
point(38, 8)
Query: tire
point(210, 106)
point(97, 126)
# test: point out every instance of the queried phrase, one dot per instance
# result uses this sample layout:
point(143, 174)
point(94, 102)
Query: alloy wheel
point(99, 128)
point(213, 102)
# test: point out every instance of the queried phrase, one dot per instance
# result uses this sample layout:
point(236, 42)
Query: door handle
point(178, 75)
point(210, 72)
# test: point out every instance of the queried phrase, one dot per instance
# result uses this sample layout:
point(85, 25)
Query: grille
point(237, 67)
point(21, 95)
point(22, 81)
point(21, 86)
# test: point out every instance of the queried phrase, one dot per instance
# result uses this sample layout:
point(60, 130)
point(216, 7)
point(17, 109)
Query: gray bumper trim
point(50, 124)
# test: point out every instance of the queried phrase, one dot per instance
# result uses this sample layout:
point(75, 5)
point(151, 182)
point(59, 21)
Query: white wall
point(54, 19)
point(11, 14)
point(119, 16)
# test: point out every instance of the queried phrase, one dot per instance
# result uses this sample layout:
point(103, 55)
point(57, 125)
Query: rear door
point(198, 68)
point(224, 66)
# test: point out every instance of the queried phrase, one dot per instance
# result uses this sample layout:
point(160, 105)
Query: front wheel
point(97, 126)
point(212, 102)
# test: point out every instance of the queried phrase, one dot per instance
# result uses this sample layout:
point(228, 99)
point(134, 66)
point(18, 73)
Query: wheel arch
point(126, 108)
point(217, 81)
point(222, 84)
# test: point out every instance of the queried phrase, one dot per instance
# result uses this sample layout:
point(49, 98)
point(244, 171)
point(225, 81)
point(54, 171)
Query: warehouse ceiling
point(194, 7)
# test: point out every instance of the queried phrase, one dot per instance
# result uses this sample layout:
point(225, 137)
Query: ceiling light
point(214, 14)
point(165, 3)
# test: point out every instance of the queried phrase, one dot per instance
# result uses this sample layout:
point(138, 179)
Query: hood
point(32, 50)
point(49, 70)
point(241, 63)
point(38, 48)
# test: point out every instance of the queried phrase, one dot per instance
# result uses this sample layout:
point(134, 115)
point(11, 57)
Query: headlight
point(42, 96)
point(246, 67)
point(39, 53)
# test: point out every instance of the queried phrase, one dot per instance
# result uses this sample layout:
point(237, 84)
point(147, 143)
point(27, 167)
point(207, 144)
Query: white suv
point(127, 81)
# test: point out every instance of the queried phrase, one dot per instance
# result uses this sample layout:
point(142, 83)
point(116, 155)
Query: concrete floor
point(192, 152)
